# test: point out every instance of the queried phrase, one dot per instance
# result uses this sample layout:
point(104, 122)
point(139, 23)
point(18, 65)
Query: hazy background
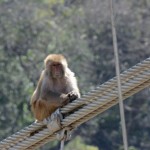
point(81, 30)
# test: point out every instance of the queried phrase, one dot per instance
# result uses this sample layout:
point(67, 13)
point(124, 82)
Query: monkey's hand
point(72, 96)
point(64, 99)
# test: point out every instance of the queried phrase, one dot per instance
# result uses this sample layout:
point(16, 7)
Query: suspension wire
point(62, 144)
point(115, 47)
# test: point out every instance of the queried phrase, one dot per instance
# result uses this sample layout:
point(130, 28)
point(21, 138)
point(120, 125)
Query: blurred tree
point(81, 30)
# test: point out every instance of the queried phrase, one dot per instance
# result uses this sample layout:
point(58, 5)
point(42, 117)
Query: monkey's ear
point(47, 63)
point(64, 63)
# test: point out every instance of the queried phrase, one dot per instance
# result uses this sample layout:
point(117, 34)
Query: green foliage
point(81, 30)
point(130, 148)
point(77, 144)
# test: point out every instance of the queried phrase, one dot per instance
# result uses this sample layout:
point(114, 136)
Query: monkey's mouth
point(57, 76)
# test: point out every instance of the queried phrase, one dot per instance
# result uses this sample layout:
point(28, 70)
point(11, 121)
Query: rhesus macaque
point(56, 87)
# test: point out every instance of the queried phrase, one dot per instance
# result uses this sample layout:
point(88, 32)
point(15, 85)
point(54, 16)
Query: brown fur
point(52, 93)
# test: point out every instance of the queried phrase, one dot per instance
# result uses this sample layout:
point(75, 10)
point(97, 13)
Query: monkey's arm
point(73, 90)
point(36, 93)
point(55, 99)
point(43, 101)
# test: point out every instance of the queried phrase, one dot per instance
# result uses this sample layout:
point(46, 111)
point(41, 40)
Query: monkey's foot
point(53, 122)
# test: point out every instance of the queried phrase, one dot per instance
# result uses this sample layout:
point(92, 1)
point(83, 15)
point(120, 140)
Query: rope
point(100, 101)
point(125, 76)
point(93, 114)
point(95, 102)
point(105, 107)
point(62, 145)
point(22, 134)
point(115, 45)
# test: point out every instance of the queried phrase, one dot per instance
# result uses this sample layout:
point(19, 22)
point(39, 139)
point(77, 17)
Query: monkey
point(56, 87)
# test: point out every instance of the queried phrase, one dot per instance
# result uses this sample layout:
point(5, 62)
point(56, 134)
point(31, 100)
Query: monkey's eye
point(56, 65)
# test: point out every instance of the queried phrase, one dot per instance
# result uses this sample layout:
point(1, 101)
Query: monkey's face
point(56, 65)
point(57, 70)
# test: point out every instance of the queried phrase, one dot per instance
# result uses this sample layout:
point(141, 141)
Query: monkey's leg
point(41, 110)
